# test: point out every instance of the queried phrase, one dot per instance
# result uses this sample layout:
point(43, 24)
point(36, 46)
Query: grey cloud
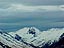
point(6, 3)
point(35, 2)
point(17, 19)
point(56, 16)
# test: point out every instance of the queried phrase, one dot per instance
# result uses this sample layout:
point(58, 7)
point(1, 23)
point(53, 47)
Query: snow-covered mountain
point(32, 38)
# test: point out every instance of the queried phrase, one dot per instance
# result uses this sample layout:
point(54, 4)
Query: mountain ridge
point(32, 37)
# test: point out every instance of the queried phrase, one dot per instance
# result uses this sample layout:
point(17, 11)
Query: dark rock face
point(17, 37)
point(32, 31)
point(59, 44)
point(4, 46)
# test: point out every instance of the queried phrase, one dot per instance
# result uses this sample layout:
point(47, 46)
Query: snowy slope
point(8, 41)
point(31, 38)
point(41, 37)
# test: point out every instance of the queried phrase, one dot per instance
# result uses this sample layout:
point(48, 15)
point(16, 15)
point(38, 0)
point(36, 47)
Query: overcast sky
point(44, 13)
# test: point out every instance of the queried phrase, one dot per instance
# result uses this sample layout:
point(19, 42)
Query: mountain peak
point(35, 29)
point(26, 31)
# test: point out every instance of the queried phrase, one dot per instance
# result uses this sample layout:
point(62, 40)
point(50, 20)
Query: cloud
point(21, 7)
point(62, 7)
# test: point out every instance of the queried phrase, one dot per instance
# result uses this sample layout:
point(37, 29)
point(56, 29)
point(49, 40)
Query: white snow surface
point(42, 37)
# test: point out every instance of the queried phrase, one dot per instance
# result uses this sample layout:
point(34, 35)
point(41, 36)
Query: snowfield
point(30, 37)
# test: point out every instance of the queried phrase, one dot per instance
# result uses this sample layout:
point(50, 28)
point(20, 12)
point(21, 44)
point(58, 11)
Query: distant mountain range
point(32, 38)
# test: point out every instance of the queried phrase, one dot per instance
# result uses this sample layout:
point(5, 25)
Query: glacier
point(31, 38)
